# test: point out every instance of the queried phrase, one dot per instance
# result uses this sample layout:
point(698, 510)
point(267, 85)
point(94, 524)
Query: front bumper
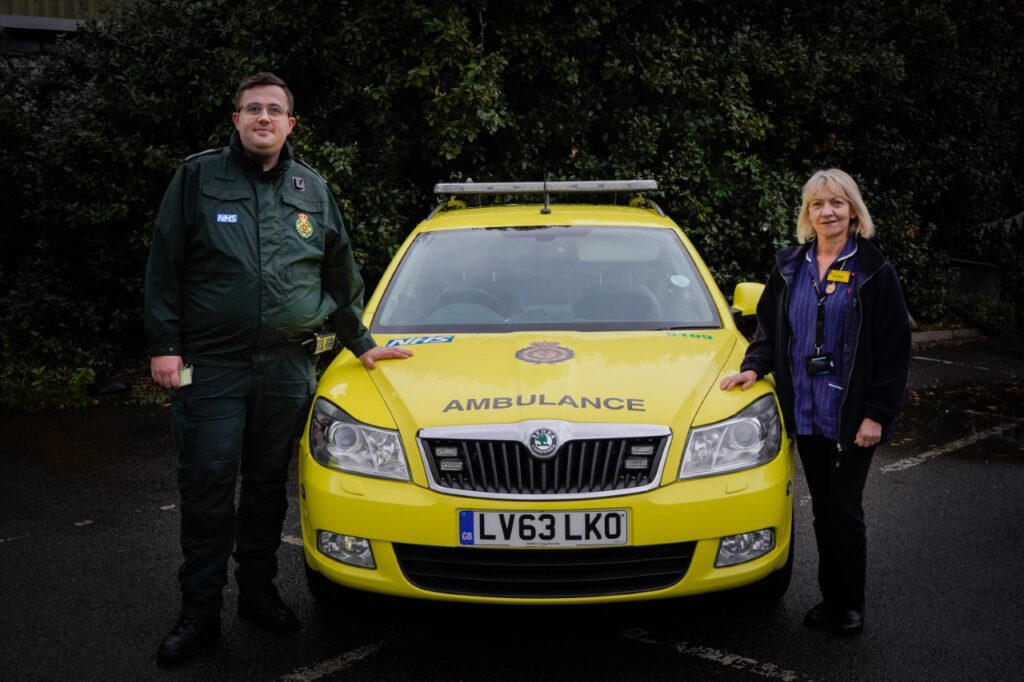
point(682, 518)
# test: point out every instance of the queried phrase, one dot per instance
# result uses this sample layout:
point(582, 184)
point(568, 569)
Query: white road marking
point(3, 540)
point(948, 362)
point(994, 415)
point(168, 507)
point(723, 658)
point(84, 523)
point(292, 540)
point(347, 660)
point(914, 461)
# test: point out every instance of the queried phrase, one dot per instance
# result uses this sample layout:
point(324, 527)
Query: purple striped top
point(818, 399)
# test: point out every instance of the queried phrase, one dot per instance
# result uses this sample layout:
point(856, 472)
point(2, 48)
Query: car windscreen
point(538, 278)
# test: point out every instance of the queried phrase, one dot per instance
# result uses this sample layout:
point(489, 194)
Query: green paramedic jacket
point(246, 261)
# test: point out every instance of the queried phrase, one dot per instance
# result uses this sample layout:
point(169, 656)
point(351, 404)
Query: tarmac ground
point(88, 545)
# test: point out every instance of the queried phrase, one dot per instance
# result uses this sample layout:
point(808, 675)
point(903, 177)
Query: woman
point(833, 327)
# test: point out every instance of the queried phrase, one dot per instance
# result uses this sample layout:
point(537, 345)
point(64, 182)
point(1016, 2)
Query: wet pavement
point(88, 549)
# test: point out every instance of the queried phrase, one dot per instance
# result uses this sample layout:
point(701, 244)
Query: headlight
point(749, 439)
point(736, 549)
point(348, 549)
point(338, 441)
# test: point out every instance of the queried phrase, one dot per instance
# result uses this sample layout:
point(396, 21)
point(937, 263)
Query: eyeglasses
point(254, 109)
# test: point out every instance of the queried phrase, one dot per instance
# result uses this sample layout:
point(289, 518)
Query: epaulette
point(311, 169)
point(203, 153)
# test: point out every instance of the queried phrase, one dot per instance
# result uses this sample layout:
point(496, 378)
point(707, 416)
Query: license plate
point(544, 528)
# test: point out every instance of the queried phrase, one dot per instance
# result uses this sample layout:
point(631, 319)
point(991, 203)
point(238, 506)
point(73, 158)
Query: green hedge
point(730, 105)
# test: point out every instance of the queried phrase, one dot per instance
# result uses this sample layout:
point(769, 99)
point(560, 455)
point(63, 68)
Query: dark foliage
point(730, 105)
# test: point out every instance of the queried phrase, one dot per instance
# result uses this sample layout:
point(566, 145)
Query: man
point(250, 256)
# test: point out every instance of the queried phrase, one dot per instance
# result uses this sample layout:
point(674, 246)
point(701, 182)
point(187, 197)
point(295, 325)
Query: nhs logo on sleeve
point(227, 217)
point(419, 340)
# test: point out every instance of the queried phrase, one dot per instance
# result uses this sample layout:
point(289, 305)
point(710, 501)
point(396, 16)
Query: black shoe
point(269, 611)
point(848, 622)
point(192, 634)
point(819, 617)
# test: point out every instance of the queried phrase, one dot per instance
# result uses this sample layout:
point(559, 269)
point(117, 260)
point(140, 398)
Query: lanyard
point(819, 324)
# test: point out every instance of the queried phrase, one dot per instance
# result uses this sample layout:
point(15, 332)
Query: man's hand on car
point(370, 357)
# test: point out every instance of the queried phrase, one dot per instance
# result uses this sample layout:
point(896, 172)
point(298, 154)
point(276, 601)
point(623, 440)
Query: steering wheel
point(472, 295)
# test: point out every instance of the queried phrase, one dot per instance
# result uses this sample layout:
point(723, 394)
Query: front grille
point(544, 573)
point(579, 466)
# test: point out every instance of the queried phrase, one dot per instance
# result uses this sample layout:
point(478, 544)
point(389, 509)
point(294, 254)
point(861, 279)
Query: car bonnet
point(604, 377)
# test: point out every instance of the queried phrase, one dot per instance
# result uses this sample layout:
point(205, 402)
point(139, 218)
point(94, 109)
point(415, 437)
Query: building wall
point(55, 9)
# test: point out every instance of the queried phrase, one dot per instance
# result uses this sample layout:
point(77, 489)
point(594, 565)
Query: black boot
point(192, 634)
point(848, 622)
point(819, 617)
point(269, 611)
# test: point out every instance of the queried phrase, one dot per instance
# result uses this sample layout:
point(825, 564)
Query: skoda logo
point(543, 443)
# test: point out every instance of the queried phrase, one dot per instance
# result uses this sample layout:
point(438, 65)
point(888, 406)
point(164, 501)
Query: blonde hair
point(841, 183)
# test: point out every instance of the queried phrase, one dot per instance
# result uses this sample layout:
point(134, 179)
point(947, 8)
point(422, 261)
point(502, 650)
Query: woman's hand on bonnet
point(744, 380)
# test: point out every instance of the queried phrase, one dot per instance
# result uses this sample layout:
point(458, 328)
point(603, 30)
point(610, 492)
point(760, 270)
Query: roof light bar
point(558, 187)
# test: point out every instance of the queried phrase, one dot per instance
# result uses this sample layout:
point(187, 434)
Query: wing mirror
point(744, 306)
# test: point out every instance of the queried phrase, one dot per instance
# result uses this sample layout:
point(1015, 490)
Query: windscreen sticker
point(541, 399)
point(688, 335)
point(419, 340)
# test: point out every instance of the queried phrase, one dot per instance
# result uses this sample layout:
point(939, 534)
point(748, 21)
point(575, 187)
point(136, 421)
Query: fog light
point(736, 549)
point(451, 465)
point(633, 463)
point(347, 549)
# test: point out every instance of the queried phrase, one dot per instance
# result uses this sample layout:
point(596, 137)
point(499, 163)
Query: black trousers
point(233, 420)
point(836, 482)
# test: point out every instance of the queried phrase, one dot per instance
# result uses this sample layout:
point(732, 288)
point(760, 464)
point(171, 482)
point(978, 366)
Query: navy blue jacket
point(876, 343)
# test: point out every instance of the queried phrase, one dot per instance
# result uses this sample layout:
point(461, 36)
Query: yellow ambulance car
point(559, 435)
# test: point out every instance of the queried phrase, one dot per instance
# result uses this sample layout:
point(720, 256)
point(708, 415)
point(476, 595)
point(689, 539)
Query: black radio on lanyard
point(821, 364)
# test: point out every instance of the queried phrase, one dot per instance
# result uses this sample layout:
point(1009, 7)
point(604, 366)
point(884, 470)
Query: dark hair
point(264, 78)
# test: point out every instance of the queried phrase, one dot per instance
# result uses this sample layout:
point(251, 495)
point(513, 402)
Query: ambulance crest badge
point(545, 353)
point(303, 226)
